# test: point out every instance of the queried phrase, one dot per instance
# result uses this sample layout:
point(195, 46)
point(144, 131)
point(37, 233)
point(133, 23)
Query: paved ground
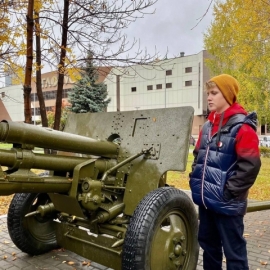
point(257, 233)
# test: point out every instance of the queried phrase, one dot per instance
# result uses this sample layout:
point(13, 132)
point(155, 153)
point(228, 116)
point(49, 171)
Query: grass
point(5, 146)
point(259, 191)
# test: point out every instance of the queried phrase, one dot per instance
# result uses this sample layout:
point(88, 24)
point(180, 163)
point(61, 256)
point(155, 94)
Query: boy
point(226, 164)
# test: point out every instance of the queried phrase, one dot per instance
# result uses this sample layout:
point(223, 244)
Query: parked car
point(192, 141)
point(265, 141)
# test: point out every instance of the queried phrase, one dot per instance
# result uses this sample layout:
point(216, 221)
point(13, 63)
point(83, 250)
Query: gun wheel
point(35, 234)
point(162, 233)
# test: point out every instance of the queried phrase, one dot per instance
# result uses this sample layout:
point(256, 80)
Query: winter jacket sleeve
point(195, 153)
point(248, 162)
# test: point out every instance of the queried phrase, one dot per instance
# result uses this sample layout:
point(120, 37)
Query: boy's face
point(216, 101)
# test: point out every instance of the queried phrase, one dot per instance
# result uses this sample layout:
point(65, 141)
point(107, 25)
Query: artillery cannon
point(106, 196)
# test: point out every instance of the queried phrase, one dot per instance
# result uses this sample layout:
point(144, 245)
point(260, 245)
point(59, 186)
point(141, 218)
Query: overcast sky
point(171, 27)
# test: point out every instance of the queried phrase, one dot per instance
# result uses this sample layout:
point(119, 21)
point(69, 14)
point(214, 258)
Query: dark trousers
point(220, 231)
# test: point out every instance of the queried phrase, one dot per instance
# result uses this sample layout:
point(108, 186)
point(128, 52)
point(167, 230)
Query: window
point(49, 109)
point(188, 83)
point(34, 97)
point(66, 92)
point(168, 85)
point(188, 69)
point(133, 89)
point(159, 86)
point(168, 72)
point(149, 87)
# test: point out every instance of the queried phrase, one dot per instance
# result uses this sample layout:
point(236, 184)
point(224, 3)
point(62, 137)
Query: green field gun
point(104, 195)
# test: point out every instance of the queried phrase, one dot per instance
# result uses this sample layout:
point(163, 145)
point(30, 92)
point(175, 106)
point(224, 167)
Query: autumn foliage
point(239, 42)
point(64, 114)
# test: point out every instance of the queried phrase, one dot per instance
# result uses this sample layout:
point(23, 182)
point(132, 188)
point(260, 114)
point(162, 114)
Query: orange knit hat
point(228, 85)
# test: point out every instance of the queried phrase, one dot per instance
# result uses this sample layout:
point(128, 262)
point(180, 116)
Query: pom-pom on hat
point(228, 85)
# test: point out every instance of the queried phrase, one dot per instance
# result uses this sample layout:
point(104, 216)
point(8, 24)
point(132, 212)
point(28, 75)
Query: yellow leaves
point(38, 5)
point(263, 263)
point(4, 24)
point(37, 67)
point(17, 35)
point(71, 263)
point(22, 47)
point(44, 36)
point(68, 50)
point(238, 40)
point(74, 74)
point(13, 254)
point(84, 263)
point(61, 69)
point(46, 32)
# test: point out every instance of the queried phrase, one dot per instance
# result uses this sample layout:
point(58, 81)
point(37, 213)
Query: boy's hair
point(208, 85)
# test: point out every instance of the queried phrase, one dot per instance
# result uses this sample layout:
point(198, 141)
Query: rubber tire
point(146, 221)
point(34, 235)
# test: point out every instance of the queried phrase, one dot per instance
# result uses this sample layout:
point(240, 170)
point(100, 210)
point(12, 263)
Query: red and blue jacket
point(226, 161)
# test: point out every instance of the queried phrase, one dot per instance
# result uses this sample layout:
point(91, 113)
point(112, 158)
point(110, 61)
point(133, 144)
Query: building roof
point(4, 115)
point(102, 73)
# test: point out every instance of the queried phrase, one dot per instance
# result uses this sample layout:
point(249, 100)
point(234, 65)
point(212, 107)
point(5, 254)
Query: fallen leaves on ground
point(263, 263)
point(86, 263)
point(4, 204)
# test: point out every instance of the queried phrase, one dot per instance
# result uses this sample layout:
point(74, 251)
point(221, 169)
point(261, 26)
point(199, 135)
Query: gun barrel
point(46, 185)
point(21, 133)
point(9, 158)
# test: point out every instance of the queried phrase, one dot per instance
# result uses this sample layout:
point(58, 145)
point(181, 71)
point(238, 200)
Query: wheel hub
point(178, 251)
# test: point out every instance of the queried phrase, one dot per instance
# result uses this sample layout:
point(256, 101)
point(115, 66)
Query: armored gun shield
point(109, 178)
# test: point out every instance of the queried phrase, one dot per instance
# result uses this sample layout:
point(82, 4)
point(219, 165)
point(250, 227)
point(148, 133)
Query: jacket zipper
point(204, 176)
point(204, 166)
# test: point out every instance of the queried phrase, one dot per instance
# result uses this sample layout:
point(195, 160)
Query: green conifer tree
point(87, 95)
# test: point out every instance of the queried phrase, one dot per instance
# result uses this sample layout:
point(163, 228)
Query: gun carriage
point(105, 196)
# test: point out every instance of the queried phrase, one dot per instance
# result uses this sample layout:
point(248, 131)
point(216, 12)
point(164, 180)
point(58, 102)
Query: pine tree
point(88, 95)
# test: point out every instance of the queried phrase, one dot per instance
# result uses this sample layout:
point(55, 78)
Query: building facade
point(166, 83)
point(49, 83)
point(162, 84)
point(49, 89)
point(11, 103)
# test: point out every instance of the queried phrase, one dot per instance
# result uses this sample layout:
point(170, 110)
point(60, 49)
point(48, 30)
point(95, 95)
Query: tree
point(98, 23)
point(239, 43)
point(64, 114)
point(44, 119)
point(29, 63)
point(64, 28)
point(10, 47)
point(88, 95)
